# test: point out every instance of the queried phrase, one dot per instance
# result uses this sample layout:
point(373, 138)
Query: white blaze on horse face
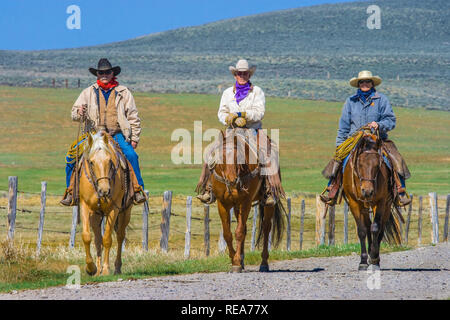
point(101, 166)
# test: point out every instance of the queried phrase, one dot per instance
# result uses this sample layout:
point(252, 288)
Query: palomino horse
point(368, 183)
point(236, 184)
point(101, 193)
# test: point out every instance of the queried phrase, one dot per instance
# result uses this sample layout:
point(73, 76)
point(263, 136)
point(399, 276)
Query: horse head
point(235, 162)
point(101, 163)
point(368, 163)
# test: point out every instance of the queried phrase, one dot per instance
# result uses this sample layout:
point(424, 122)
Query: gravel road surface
point(422, 273)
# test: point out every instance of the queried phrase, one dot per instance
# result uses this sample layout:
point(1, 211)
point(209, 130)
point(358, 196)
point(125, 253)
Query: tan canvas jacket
point(127, 113)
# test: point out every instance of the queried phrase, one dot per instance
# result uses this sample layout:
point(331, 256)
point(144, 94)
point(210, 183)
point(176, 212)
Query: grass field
point(37, 130)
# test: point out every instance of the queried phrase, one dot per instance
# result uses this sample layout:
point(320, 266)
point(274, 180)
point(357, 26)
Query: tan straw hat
point(365, 75)
point(242, 65)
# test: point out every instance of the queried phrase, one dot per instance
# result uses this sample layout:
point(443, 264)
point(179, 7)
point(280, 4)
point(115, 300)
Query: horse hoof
point(263, 268)
point(363, 266)
point(236, 269)
point(91, 269)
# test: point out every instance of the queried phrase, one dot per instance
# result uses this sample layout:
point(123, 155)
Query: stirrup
point(68, 200)
point(207, 197)
point(403, 200)
point(139, 196)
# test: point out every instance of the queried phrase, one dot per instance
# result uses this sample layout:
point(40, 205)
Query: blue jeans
point(127, 150)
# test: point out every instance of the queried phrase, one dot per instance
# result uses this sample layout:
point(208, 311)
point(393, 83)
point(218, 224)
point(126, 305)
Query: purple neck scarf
point(242, 91)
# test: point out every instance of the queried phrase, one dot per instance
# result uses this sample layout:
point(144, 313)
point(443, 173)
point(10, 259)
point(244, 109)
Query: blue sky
point(36, 25)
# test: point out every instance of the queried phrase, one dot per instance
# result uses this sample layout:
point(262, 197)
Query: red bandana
point(113, 83)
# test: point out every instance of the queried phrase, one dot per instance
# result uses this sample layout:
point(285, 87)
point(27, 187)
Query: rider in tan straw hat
point(366, 108)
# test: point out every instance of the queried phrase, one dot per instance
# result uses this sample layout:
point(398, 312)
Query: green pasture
point(36, 131)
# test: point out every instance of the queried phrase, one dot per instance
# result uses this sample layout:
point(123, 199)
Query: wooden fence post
point(419, 222)
point(331, 225)
point(145, 224)
point(12, 207)
point(41, 216)
point(320, 221)
point(345, 222)
point(187, 235)
point(447, 212)
point(255, 217)
point(74, 227)
point(165, 221)
point(207, 236)
point(408, 220)
point(302, 222)
point(288, 235)
point(434, 217)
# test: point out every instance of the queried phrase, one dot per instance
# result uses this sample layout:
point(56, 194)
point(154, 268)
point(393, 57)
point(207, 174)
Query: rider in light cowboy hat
point(371, 108)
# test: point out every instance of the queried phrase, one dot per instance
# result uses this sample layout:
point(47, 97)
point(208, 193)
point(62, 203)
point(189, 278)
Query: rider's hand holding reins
point(373, 125)
point(82, 110)
point(240, 122)
point(230, 118)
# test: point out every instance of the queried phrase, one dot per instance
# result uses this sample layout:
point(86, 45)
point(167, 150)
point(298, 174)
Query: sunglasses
point(100, 73)
point(242, 73)
point(365, 81)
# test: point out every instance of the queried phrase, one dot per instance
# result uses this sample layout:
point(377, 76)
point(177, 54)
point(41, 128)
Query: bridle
point(93, 180)
point(355, 161)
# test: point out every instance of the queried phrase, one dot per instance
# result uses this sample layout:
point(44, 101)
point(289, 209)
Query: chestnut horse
point(368, 183)
point(236, 184)
point(102, 189)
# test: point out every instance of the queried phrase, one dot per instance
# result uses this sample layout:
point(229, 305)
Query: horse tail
point(278, 223)
point(392, 231)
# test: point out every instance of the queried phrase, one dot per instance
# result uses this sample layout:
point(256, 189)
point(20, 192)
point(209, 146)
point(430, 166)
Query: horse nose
point(367, 193)
point(104, 193)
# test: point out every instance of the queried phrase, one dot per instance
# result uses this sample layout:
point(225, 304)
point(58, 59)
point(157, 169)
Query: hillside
point(307, 52)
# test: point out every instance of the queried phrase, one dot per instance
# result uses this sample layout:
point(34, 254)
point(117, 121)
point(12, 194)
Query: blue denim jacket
point(356, 114)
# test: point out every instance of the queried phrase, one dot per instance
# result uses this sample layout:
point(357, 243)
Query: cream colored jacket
point(127, 113)
point(253, 104)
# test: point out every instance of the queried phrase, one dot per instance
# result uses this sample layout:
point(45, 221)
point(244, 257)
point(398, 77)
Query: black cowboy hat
point(103, 65)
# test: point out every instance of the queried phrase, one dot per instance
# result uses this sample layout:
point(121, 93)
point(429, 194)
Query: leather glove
point(240, 122)
point(230, 118)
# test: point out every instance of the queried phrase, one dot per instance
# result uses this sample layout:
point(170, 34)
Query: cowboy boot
point(67, 198)
point(334, 186)
point(139, 194)
point(402, 198)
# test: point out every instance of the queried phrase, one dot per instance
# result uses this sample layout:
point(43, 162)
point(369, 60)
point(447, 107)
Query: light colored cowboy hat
point(104, 65)
point(242, 65)
point(365, 75)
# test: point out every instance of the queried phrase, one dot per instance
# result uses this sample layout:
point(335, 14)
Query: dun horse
point(101, 193)
point(368, 183)
point(236, 184)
